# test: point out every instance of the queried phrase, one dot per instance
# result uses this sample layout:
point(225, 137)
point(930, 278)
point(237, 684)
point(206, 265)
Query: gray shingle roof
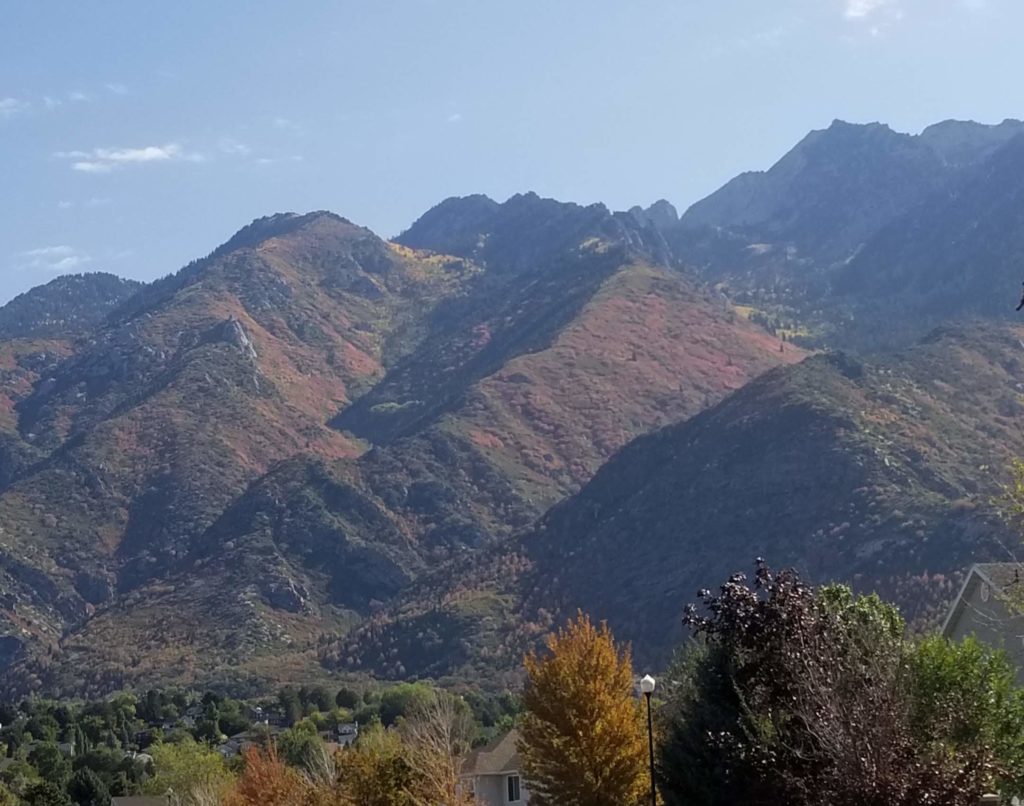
point(501, 755)
point(1003, 575)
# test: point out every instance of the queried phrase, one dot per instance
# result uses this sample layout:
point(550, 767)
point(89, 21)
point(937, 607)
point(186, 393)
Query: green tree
point(375, 772)
point(86, 789)
point(808, 697)
point(347, 698)
point(186, 766)
point(399, 700)
point(43, 793)
point(291, 705)
point(584, 740)
point(965, 701)
point(51, 764)
point(299, 744)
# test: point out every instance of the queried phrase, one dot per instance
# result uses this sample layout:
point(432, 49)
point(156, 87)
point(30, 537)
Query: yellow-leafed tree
point(583, 737)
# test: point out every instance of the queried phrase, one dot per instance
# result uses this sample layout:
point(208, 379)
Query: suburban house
point(491, 773)
point(990, 606)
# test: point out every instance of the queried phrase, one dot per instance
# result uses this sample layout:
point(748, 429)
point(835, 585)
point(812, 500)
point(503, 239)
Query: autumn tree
point(267, 780)
point(437, 734)
point(583, 737)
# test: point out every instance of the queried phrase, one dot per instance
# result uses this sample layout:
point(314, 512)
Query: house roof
point(1001, 577)
point(501, 755)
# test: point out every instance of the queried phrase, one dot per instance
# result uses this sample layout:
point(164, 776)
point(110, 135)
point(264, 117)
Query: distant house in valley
point(990, 606)
point(342, 736)
point(492, 774)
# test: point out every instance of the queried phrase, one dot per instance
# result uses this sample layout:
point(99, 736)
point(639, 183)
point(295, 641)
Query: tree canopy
point(816, 696)
point(584, 740)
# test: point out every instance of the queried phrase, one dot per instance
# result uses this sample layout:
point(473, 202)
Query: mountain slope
point(209, 491)
point(957, 255)
point(879, 475)
point(168, 413)
point(826, 196)
point(64, 307)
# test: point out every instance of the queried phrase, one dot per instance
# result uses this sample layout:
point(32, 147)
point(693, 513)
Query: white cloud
point(78, 96)
point(233, 147)
point(117, 89)
point(455, 117)
point(286, 125)
point(105, 160)
point(90, 167)
point(90, 203)
point(50, 102)
point(9, 107)
point(859, 9)
point(61, 258)
point(277, 160)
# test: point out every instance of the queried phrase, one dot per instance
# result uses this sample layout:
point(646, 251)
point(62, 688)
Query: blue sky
point(135, 136)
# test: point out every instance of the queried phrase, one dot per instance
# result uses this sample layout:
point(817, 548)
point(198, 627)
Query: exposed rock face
point(233, 332)
point(661, 215)
point(285, 595)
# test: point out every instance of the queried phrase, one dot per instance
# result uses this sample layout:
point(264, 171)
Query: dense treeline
point(87, 752)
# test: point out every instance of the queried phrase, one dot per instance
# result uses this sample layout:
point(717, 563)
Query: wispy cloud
point(89, 204)
point(859, 9)
point(278, 160)
point(233, 147)
point(455, 117)
point(116, 89)
point(106, 160)
point(61, 258)
point(286, 125)
point(10, 107)
point(79, 96)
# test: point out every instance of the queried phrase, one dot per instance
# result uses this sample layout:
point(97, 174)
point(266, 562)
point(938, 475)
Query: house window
point(513, 789)
point(985, 592)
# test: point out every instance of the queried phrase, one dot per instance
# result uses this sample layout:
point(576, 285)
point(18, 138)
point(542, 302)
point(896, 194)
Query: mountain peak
point(966, 142)
point(65, 306)
point(662, 215)
point(278, 225)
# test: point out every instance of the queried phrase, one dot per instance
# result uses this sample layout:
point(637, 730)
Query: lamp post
point(647, 687)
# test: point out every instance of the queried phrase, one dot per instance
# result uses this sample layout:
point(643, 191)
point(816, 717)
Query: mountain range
point(316, 451)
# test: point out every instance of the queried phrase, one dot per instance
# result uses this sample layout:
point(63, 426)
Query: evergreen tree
point(86, 789)
point(43, 793)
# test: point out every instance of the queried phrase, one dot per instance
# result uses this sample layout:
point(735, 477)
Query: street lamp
point(647, 687)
